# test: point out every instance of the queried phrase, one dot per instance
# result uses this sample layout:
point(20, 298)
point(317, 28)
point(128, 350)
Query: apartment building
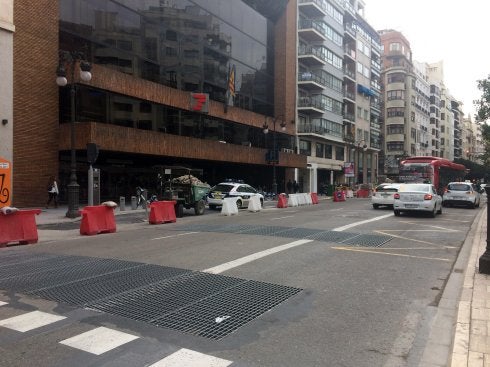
point(338, 93)
point(148, 58)
point(420, 99)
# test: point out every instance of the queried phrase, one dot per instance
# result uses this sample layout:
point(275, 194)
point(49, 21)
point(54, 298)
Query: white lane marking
point(99, 340)
point(287, 216)
point(246, 259)
point(3, 303)
point(430, 226)
point(29, 321)
point(340, 229)
point(390, 253)
point(190, 358)
point(174, 235)
point(436, 245)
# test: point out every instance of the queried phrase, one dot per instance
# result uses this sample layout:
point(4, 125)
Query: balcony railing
point(311, 77)
point(309, 102)
point(312, 51)
point(317, 129)
point(317, 25)
point(349, 116)
point(349, 95)
point(350, 73)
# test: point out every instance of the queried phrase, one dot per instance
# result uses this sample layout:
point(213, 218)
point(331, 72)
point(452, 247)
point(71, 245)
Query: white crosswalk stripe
point(3, 303)
point(190, 358)
point(30, 321)
point(99, 340)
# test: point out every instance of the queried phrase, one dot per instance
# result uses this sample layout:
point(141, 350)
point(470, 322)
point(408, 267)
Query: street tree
point(483, 117)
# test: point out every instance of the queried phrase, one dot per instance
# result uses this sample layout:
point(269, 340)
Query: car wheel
point(199, 207)
point(440, 210)
point(261, 203)
point(239, 204)
point(433, 212)
point(397, 213)
point(179, 210)
point(375, 206)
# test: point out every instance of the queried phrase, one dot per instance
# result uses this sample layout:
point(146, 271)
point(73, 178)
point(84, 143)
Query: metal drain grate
point(265, 230)
point(76, 271)
point(11, 257)
point(82, 292)
point(332, 236)
point(300, 232)
point(154, 301)
point(367, 240)
point(220, 314)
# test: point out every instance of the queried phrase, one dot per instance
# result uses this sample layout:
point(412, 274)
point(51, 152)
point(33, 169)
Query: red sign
point(200, 102)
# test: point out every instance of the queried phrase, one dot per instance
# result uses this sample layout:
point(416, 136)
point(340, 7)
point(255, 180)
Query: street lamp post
point(273, 157)
point(72, 59)
point(484, 262)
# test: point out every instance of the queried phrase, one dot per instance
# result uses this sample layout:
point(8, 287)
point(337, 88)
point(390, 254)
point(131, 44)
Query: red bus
point(434, 170)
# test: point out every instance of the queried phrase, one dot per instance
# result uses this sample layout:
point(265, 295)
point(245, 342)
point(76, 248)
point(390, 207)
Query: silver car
point(384, 195)
point(417, 198)
point(461, 193)
point(239, 190)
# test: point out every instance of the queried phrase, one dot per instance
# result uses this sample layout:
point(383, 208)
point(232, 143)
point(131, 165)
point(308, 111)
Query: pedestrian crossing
point(100, 340)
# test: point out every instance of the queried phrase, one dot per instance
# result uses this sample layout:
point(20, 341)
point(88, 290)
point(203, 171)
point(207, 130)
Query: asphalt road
point(365, 297)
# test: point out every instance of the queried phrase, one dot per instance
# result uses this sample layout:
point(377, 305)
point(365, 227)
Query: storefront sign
point(349, 169)
point(200, 102)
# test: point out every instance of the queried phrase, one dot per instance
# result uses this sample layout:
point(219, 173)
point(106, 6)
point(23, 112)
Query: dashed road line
point(430, 226)
point(99, 340)
point(29, 321)
point(287, 216)
point(340, 229)
point(3, 303)
point(412, 239)
point(187, 358)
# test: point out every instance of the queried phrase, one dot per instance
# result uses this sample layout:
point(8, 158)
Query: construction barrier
point(314, 198)
point(97, 219)
point(362, 193)
point(229, 206)
point(293, 200)
point(162, 212)
point(18, 226)
point(254, 204)
point(307, 198)
point(349, 194)
point(282, 201)
point(339, 195)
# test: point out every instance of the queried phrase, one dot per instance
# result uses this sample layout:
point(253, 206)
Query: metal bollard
point(133, 203)
point(145, 196)
point(122, 203)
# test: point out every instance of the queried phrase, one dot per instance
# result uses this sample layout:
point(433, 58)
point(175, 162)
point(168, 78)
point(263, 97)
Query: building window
point(328, 151)
point(395, 146)
point(339, 153)
point(394, 129)
point(319, 150)
point(395, 94)
point(395, 46)
point(395, 112)
point(305, 147)
point(359, 112)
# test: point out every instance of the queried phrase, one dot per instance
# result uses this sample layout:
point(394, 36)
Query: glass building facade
point(184, 44)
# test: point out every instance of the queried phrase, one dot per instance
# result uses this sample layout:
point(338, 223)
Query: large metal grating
point(179, 299)
point(347, 238)
point(154, 301)
point(367, 240)
point(222, 313)
point(83, 292)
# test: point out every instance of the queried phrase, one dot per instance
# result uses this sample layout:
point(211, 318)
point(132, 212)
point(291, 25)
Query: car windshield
point(459, 187)
point(415, 188)
point(222, 188)
point(386, 188)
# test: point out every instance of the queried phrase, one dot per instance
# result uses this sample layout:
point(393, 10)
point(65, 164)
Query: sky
point(456, 32)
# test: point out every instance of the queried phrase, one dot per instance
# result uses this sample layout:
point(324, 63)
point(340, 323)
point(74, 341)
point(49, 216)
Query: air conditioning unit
point(286, 150)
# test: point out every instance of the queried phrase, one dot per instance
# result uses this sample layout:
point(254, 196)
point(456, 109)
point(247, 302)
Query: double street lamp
point(72, 59)
point(272, 156)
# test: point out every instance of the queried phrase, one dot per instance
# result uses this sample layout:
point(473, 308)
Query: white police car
point(239, 190)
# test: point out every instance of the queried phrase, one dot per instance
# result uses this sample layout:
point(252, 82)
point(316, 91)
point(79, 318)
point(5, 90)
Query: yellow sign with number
point(5, 182)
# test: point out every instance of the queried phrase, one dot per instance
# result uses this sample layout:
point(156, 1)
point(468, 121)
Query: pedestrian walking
point(289, 186)
point(295, 186)
point(52, 192)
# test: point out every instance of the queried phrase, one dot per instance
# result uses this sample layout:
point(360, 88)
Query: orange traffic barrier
point(314, 198)
point(282, 201)
point(97, 219)
point(339, 195)
point(162, 212)
point(19, 226)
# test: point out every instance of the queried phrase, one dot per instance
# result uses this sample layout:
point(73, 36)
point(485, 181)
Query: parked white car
point(239, 190)
point(383, 195)
point(461, 193)
point(417, 198)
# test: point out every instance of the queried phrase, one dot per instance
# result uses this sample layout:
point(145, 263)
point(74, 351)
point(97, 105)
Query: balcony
point(311, 105)
point(313, 8)
point(350, 74)
point(349, 117)
point(312, 30)
point(311, 81)
point(350, 30)
point(350, 95)
point(312, 56)
point(316, 129)
point(350, 52)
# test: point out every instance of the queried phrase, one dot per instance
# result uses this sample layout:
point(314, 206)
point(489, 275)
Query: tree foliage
point(483, 116)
